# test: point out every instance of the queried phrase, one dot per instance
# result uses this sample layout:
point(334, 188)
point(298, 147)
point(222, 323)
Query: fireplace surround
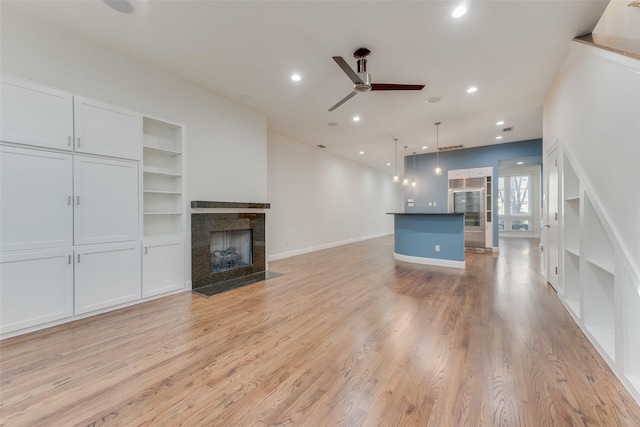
point(214, 264)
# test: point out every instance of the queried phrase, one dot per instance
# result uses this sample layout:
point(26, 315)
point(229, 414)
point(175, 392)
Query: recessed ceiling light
point(519, 163)
point(500, 123)
point(433, 99)
point(472, 89)
point(356, 118)
point(499, 137)
point(388, 164)
point(424, 147)
point(362, 152)
point(122, 6)
point(296, 77)
point(459, 11)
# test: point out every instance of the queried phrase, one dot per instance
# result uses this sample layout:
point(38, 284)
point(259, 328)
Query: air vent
point(322, 146)
point(507, 129)
point(451, 147)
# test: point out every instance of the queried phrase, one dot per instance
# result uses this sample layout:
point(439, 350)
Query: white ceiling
point(247, 50)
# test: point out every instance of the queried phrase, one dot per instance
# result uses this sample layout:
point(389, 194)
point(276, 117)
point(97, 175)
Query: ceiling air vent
point(322, 146)
point(507, 129)
point(451, 147)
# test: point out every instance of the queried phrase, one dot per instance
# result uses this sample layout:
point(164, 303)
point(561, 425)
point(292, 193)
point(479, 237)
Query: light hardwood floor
point(346, 337)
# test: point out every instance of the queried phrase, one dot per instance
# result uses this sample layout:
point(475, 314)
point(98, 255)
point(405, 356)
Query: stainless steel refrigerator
point(470, 201)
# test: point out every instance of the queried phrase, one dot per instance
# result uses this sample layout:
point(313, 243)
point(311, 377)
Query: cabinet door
point(36, 288)
point(458, 173)
point(35, 199)
point(106, 200)
point(107, 130)
point(35, 114)
point(162, 267)
point(480, 172)
point(106, 275)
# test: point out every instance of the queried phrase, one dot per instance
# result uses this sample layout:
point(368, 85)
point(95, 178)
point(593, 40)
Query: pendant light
point(396, 178)
point(438, 170)
point(405, 180)
point(413, 184)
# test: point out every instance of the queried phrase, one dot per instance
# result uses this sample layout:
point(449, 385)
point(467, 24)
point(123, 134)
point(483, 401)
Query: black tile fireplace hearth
point(226, 246)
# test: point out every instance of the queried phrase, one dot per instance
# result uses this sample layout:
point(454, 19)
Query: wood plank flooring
point(346, 337)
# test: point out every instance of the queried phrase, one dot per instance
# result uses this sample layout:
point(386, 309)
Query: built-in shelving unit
point(571, 237)
point(601, 283)
point(162, 179)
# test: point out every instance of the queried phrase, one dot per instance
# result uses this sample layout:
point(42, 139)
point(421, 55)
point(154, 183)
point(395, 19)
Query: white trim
point(429, 261)
point(281, 255)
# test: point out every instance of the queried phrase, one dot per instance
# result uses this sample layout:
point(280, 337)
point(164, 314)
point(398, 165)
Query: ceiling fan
point(362, 80)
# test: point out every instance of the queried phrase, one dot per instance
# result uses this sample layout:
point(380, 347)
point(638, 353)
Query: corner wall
point(319, 200)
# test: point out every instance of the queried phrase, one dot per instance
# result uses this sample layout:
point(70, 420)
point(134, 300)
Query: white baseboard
point(282, 255)
point(429, 261)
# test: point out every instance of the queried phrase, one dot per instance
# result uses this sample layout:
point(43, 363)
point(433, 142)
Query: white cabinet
point(36, 288)
point(38, 115)
point(162, 267)
point(106, 275)
point(35, 115)
point(480, 172)
point(458, 174)
point(36, 189)
point(106, 200)
point(106, 130)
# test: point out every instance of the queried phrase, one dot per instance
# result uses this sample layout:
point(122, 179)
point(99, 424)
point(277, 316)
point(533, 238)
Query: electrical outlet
point(435, 204)
point(437, 248)
point(430, 203)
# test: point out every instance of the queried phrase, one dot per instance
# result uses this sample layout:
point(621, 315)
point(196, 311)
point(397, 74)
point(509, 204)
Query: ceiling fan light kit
point(438, 170)
point(362, 79)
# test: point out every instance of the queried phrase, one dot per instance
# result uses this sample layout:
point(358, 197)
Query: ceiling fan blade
point(391, 86)
point(348, 70)
point(343, 100)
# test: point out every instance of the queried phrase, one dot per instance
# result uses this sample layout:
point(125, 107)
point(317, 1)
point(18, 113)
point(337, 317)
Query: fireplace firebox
point(226, 246)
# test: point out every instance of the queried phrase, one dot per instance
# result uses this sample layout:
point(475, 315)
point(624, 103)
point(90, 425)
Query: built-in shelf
point(572, 199)
point(162, 183)
point(606, 266)
point(605, 338)
point(161, 173)
point(158, 150)
point(574, 306)
point(573, 251)
point(162, 192)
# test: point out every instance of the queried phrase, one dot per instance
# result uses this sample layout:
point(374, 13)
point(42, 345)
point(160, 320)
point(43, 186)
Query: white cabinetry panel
point(162, 267)
point(480, 172)
point(106, 200)
point(106, 275)
point(36, 288)
point(107, 130)
point(458, 173)
point(36, 187)
point(36, 115)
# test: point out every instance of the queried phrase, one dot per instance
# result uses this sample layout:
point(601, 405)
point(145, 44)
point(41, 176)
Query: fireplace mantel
point(196, 204)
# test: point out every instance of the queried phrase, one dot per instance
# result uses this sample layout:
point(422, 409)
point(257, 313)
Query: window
point(514, 203)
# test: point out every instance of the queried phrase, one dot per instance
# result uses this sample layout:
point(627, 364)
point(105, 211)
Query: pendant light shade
point(405, 180)
point(438, 170)
point(414, 183)
point(396, 178)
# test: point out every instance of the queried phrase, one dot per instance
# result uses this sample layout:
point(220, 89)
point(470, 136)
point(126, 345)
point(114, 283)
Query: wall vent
point(451, 147)
point(507, 129)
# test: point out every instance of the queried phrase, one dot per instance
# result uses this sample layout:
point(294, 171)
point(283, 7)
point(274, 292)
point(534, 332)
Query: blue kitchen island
point(429, 238)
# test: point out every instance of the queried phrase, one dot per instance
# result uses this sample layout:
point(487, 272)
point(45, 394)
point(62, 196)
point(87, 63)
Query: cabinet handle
point(78, 200)
point(69, 200)
point(69, 259)
point(145, 250)
point(78, 143)
point(78, 258)
point(69, 141)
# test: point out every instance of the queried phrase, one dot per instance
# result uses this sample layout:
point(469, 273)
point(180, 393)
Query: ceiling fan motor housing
point(366, 83)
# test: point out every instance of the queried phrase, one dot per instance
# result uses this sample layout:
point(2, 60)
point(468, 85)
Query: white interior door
point(551, 217)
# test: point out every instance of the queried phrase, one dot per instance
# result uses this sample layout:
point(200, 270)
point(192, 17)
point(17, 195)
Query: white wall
point(226, 143)
point(594, 110)
point(620, 20)
point(319, 200)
